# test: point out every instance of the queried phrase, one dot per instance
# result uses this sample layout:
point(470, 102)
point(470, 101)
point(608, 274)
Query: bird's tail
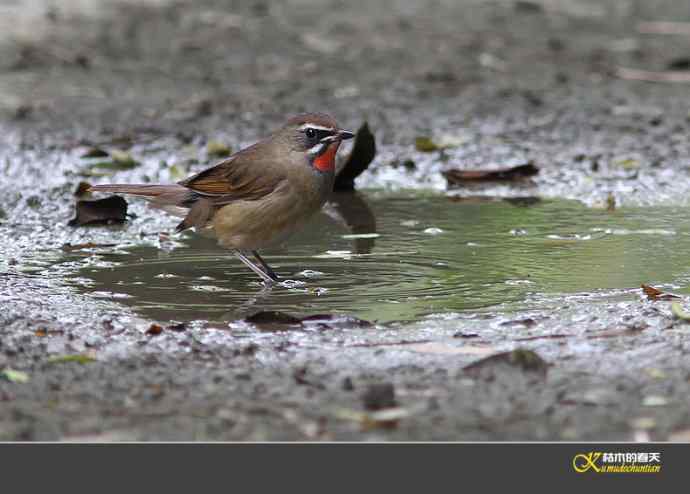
point(174, 199)
point(150, 191)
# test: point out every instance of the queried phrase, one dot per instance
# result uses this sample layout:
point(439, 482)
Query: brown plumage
point(259, 195)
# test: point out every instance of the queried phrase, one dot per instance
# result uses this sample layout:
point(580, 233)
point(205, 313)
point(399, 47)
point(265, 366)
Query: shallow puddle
point(400, 257)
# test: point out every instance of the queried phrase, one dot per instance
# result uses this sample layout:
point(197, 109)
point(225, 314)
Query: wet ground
point(398, 294)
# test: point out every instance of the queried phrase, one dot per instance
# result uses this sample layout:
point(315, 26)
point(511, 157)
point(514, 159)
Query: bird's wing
point(246, 175)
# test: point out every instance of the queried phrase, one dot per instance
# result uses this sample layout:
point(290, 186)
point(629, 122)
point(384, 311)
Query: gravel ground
point(547, 81)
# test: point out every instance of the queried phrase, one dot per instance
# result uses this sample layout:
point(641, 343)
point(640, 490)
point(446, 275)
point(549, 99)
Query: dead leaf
point(656, 294)
point(217, 149)
point(277, 321)
point(154, 329)
point(425, 145)
point(677, 310)
point(272, 317)
point(121, 160)
point(359, 159)
point(14, 376)
point(178, 327)
point(515, 173)
point(82, 189)
point(109, 210)
point(95, 152)
point(527, 322)
point(77, 358)
point(521, 358)
point(332, 321)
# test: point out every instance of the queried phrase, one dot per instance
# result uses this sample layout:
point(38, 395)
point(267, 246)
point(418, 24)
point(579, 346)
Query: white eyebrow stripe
point(315, 127)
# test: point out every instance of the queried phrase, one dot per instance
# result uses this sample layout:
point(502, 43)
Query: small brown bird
point(260, 195)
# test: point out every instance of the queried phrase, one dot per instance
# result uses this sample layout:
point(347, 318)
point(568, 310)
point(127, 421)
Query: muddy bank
point(99, 355)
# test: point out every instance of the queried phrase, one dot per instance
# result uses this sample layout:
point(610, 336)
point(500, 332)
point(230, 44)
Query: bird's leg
point(264, 276)
point(265, 265)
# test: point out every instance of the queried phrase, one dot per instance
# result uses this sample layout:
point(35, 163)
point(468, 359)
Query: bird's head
point(318, 136)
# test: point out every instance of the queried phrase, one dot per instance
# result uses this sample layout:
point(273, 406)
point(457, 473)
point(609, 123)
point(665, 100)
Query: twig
point(664, 27)
point(674, 76)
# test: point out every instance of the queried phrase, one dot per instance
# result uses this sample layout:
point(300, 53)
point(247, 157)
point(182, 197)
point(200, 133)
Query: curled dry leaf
point(515, 173)
point(363, 153)
point(656, 294)
point(280, 321)
point(95, 152)
point(111, 209)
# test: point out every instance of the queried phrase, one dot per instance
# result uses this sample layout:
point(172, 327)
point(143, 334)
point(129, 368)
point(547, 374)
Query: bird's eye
point(310, 133)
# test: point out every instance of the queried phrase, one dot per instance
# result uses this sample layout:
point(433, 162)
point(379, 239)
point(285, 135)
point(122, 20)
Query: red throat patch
point(325, 162)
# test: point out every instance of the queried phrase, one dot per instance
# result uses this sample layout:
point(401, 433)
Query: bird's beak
point(344, 135)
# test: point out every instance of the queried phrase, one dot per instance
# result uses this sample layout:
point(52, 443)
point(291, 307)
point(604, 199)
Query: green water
point(411, 256)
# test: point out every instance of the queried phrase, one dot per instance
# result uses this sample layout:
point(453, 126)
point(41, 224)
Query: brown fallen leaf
point(178, 327)
point(363, 152)
point(82, 189)
point(656, 294)
point(272, 317)
point(515, 173)
point(331, 321)
point(154, 329)
point(95, 152)
point(112, 209)
point(279, 321)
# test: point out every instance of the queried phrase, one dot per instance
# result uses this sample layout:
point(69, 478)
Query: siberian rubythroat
point(260, 195)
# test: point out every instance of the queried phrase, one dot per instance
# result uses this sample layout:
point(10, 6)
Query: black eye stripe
point(318, 134)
